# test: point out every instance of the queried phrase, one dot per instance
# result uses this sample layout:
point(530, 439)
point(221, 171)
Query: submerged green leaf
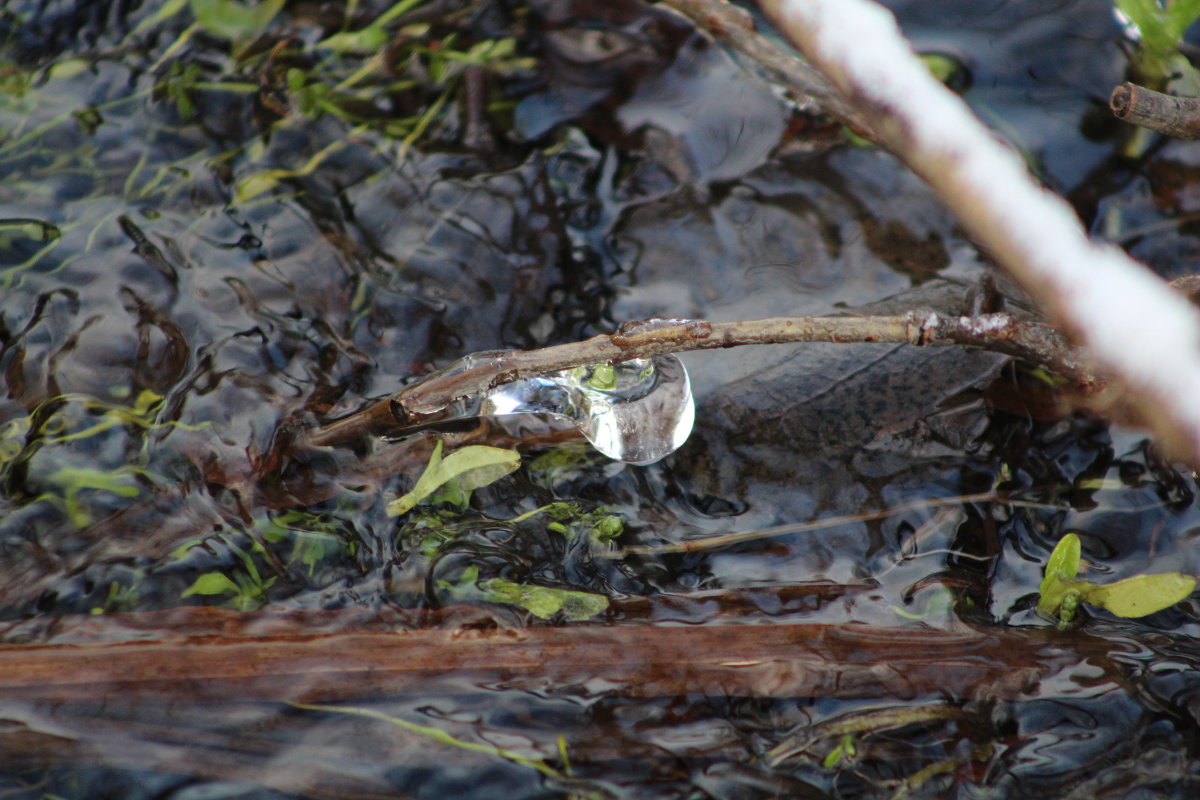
point(435, 734)
point(231, 19)
point(1141, 594)
point(545, 601)
point(475, 466)
point(211, 583)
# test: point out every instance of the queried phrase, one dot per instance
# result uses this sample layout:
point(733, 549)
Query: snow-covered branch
point(1144, 336)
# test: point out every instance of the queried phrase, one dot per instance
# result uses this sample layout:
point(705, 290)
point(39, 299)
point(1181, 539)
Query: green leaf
point(253, 185)
point(1132, 597)
point(211, 583)
point(942, 66)
point(1064, 561)
point(266, 180)
point(846, 749)
point(371, 38)
point(1061, 569)
point(368, 40)
point(164, 12)
point(1160, 29)
point(474, 467)
point(1141, 594)
point(1181, 14)
point(233, 20)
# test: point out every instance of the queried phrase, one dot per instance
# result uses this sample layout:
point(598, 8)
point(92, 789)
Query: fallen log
point(216, 694)
point(759, 660)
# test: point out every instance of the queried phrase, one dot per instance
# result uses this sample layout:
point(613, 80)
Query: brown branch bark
point(1174, 116)
point(810, 89)
point(218, 696)
point(778, 660)
point(421, 403)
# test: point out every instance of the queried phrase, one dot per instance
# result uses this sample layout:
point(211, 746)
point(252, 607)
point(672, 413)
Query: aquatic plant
point(1060, 592)
point(1157, 28)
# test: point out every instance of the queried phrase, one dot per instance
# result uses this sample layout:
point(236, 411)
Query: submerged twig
point(1000, 332)
point(730, 539)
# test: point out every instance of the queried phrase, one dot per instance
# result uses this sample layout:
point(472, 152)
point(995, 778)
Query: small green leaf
point(1064, 561)
point(607, 529)
point(253, 185)
point(942, 66)
point(1141, 594)
point(845, 749)
point(211, 583)
point(1061, 568)
point(475, 466)
point(368, 40)
point(232, 20)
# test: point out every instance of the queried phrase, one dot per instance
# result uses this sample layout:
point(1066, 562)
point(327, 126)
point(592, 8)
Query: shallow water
point(211, 246)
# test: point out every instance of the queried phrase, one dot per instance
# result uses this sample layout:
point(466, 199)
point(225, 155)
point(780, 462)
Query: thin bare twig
point(422, 402)
point(1174, 116)
point(729, 539)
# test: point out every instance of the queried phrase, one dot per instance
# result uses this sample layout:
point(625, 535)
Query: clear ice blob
point(637, 411)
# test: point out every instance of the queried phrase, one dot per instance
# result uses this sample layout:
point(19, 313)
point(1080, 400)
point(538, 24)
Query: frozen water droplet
point(637, 411)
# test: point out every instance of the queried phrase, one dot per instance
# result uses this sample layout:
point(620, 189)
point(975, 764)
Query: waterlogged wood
point(210, 700)
point(774, 660)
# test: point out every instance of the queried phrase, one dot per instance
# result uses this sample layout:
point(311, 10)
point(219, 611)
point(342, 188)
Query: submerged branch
point(719, 541)
point(421, 403)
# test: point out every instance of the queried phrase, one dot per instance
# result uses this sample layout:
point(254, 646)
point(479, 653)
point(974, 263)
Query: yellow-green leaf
point(253, 185)
point(1141, 594)
point(474, 467)
point(232, 20)
point(211, 583)
point(1061, 569)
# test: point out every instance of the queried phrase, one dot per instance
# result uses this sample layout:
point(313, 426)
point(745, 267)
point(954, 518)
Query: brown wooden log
point(762, 660)
point(206, 692)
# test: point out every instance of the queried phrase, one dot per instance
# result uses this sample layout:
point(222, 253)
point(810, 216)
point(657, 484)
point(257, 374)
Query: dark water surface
point(212, 239)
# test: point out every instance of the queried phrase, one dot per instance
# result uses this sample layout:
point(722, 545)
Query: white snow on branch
point(1140, 332)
